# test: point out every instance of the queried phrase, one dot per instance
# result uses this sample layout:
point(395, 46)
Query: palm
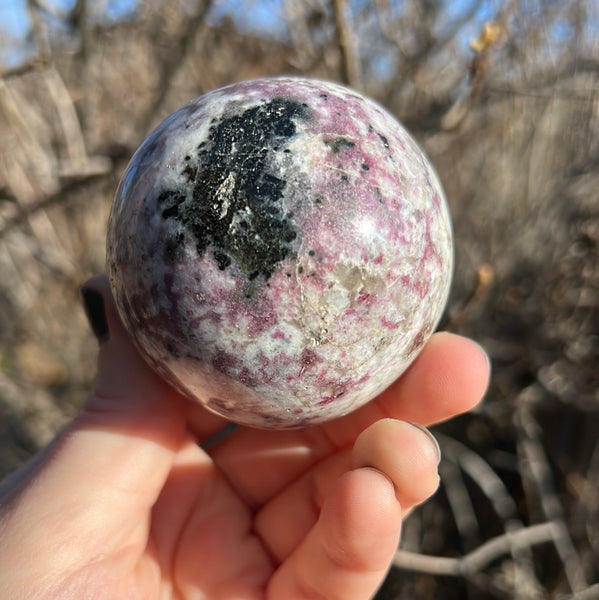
point(232, 521)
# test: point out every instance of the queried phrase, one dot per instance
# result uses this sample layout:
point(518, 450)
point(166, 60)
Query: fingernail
point(431, 436)
point(486, 355)
point(93, 304)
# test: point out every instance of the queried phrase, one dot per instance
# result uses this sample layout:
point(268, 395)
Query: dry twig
point(535, 464)
point(479, 558)
point(501, 500)
point(348, 42)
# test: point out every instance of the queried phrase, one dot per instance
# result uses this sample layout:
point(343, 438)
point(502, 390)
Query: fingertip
point(449, 377)
point(407, 454)
point(348, 552)
point(363, 521)
point(463, 369)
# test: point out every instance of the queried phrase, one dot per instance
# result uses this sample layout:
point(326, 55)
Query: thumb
point(133, 419)
point(98, 481)
point(128, 395)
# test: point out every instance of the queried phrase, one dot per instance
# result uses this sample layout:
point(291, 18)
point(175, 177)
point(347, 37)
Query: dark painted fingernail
point(93, 304)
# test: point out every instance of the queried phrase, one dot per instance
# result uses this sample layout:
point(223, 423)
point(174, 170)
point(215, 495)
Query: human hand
point(126, 504)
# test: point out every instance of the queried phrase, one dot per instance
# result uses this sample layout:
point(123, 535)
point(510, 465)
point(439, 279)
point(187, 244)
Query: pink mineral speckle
point(280, 250)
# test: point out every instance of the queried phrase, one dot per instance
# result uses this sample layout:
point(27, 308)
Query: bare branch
point(175, 60)
point(67, 115)
point(478, 559)
point(352, 71)
point(50, 9)
point(591, 593)
point(299, 31)
point(35, 64)
point(40, 166)
point(69, 193)
point(40, 31)
point(498, 495)
point(535, 463)
point(463, 511)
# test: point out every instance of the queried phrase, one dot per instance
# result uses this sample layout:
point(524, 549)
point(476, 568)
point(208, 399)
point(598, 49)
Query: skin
point(125, 504)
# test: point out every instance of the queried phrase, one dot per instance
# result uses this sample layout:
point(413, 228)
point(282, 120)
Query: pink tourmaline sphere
point(280, 250)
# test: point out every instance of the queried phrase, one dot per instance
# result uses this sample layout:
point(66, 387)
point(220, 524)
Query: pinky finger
point(347, 553)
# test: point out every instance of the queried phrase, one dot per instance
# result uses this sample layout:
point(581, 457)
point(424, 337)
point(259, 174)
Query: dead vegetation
point(512, 125)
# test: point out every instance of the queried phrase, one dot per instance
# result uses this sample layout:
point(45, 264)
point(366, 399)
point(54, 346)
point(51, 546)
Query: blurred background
point(504, 97)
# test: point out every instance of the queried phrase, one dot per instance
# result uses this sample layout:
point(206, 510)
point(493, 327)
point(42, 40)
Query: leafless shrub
point(512, 124)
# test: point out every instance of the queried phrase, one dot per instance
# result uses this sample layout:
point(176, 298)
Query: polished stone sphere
point(280, 250)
